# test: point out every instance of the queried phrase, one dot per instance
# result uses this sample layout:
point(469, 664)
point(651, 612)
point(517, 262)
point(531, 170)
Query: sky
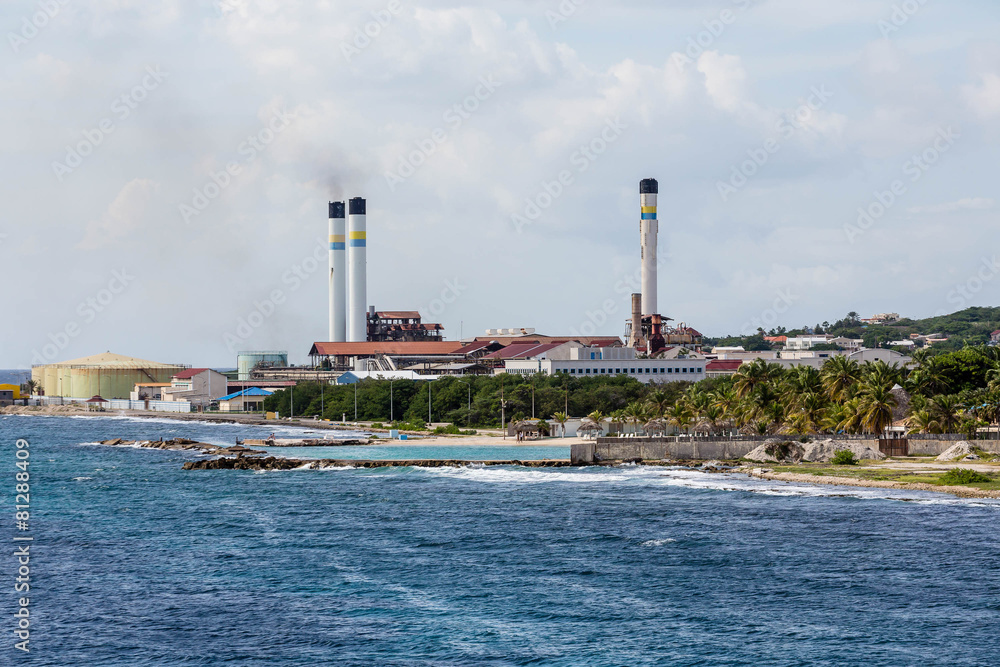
point(166, 165)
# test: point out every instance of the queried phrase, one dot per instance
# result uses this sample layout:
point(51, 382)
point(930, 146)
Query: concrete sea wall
point(707, 449)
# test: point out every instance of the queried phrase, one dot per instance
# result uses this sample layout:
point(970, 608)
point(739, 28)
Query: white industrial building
point(591, 361)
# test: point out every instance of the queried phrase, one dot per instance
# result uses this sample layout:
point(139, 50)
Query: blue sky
point(833, 99)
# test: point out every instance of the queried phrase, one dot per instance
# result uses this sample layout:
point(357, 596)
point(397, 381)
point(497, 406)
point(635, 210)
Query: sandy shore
point(960, 491)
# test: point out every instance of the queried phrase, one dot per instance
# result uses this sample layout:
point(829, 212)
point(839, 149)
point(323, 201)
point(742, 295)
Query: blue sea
point(136, 562)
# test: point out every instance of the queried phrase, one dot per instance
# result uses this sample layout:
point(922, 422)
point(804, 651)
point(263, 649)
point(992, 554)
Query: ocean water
point(137, 562)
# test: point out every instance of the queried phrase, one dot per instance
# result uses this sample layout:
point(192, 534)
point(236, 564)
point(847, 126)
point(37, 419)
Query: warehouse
point(107, 375)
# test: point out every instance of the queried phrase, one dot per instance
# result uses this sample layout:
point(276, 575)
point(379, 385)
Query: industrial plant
point(397, 344)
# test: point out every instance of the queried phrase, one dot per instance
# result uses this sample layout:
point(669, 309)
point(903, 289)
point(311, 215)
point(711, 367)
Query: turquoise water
point(137, 562)
point(414, 450)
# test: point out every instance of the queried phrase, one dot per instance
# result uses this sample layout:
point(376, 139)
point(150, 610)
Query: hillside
point(971, 326)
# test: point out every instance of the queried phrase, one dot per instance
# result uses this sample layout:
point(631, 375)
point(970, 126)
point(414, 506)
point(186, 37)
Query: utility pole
point(356, 402)
point(429, 420)
point(503, 414)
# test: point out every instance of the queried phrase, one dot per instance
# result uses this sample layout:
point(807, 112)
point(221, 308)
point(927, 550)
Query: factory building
point(384, 356)
point(199, 386)
point(107, 375)
point(400, 326)
point(613, 361)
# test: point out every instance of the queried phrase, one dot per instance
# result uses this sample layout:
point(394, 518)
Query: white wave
point(693, 479)
point(657, 543)
point(82, 479)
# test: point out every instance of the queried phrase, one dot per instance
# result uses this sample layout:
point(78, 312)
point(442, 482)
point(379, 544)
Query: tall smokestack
point(649, 228)
point(357, 257)
point(338, 273)
point(636, 321)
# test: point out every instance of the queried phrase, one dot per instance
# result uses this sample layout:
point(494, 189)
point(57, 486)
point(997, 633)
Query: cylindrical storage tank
point(247, 361)
point(49, 378)
point(338, 273)
point(649, 230)
point(357, 259)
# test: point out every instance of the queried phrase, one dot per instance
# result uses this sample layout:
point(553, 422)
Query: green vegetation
point(969, 327)
point(875, 473)
point(844, 457)
point(450, 399)
point(451, 429)
point(940, 392)
point(964, 476)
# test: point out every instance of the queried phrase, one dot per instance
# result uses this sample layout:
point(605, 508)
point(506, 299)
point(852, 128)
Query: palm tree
point(882, 374)
point(750, 376)
point(993, 377)
point(921, 421)
point(659, 402)
point(680, 416)
point(561, 418)
point(853, 421)
point(877, 404)
point(31, 387)
point(727, 401)
point(946, 412)
point(839, 375)
point(930, 378)
point(804, 380)
point(635, 413)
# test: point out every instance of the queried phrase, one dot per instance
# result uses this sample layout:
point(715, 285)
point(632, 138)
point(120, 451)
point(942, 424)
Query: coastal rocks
point(957, 452)
point(823, 451)
point(240, 463)
point(777, 451)
point(275, 463)
point(176, 444)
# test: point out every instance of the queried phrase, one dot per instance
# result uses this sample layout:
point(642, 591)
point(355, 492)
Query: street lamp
point(392, 417)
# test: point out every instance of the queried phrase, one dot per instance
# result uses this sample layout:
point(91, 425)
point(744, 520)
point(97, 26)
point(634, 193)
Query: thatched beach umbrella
point(655, 427)
point(590, 429)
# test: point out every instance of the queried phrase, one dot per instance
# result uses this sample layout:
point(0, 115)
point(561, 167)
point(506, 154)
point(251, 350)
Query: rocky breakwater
point(275, 463)
point(181, 444)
